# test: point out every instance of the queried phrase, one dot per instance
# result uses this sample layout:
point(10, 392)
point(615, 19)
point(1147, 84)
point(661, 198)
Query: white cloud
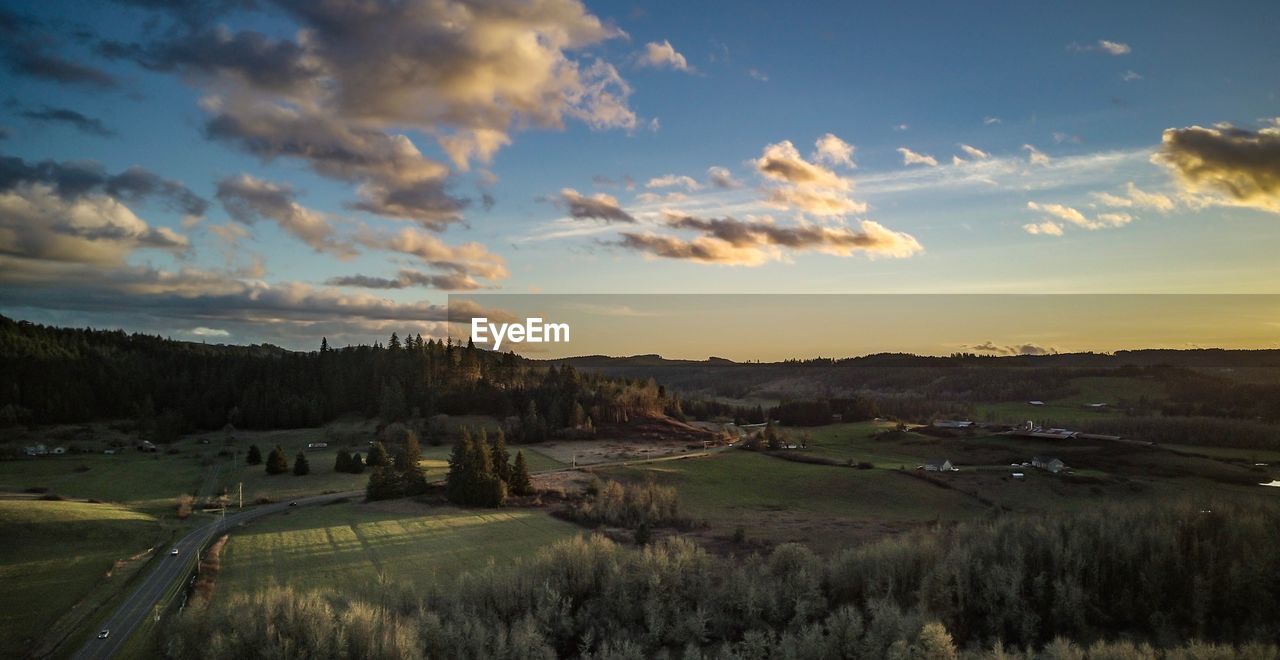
point(673, 180)
point(833, 151)
point(663, 55)
point(974, 152)
point(1035, 156)
point(1046, 228)
point(910, 157)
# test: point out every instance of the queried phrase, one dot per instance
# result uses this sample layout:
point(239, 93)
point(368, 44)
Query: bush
point(630, 505)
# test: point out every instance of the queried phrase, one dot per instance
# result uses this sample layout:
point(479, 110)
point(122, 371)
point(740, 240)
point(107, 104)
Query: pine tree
point(324, 344)
point(394, 343)
point(501, 459)
point(520, 484)
point(254, 457)
point(356, 464)
point(456, 481)
point(377, 455)
point(342, 461)
point(277, 462)
point(410, 452)
point(300, 465)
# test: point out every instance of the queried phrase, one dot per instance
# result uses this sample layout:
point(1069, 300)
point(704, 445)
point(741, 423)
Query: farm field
point(1071, 409)
point(778, 500)
point(54, 555)
point(145, 481)
point(354, 547)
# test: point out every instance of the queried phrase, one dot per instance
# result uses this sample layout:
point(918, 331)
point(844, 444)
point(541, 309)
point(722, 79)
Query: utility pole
point(241, 494)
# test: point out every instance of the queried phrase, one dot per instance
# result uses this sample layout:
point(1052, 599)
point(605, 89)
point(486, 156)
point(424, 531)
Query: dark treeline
point(1134, 576)
point(58, 375)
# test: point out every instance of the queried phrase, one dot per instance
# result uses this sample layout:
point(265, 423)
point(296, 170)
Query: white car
point(173, 552)
point(104, 634)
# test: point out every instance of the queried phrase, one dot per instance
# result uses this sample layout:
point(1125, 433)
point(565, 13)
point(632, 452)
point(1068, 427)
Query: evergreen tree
point(393, 344)
point(501, 459)
point(342, 461)
point(324, 344)
point(356, 464)
point(377, 455)
point(300, 465)
point(456, 481)
point(409, 453)
point(277, 462)
point(520, 483)
point(254, 457)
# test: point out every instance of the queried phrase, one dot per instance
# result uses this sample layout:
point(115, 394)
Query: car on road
point(104, 634)
point(173, 552)
point(293, 504)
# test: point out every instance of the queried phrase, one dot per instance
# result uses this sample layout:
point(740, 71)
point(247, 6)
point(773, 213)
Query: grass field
point(147, 481)
point(56, 553)
point(1071, 409)
point(780, 500)
point(349, 546)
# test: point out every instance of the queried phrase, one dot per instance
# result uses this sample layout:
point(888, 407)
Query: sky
point(245, 171)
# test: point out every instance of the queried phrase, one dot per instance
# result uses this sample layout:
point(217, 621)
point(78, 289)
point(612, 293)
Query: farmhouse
point(938, 465)
point(1048, 463)
point(953, 424)
point(317, 445)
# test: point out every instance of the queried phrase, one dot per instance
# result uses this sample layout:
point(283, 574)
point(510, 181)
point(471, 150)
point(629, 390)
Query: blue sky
point(1104, 148)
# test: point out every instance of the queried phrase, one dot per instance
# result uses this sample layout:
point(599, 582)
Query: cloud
point(1045, 228)
point(1130, 76)
point(1237, 166)
point(25, 47)
point(1016, 349)
point(1035, 156)
point(910, 157)
point(599, 206)
point(663, 56)
point(817, 202)
point(653, 198)
point(757, 74)
point(990, 121)
point(833, 151)
point(394, 178)
point(722, 178)
point(202, 331)
point(467, 258)
point(248, 200)
point(73, 179)
point(82, 123)
point(1060, 137)
point(672, 180)
point(1101, 46)
point(783, 162)
point(342, 94)
point(1075, 217)
point(37, 222)
point(730, 241)
point(1136, 198)
point(974, 152)
point(408, 278)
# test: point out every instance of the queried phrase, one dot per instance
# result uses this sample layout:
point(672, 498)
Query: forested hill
point(58, 375)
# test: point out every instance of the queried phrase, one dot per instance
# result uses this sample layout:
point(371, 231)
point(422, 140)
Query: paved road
point(142, 602)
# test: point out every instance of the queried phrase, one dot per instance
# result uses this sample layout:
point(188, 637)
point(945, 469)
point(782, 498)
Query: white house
point(317, 445)
point(1048, 463)
point(938, 465)
point(953, 424)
